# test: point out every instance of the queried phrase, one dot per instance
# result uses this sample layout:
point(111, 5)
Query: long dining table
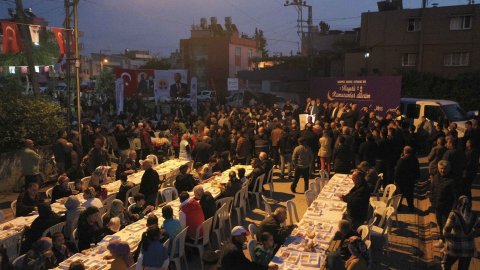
point(17, 225)
point(307, 246)
point(93, 258)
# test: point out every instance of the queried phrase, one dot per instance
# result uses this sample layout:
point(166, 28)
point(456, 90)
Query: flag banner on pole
point(11, 38)
point(60, 37)
point(35, 33)
point(193, 93)
point(119, 96)
point(129, 77)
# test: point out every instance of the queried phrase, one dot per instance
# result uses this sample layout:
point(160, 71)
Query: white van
point(435, 110)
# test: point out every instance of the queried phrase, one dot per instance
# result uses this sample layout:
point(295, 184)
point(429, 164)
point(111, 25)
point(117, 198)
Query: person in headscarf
point(122, 257)
point(113, 226)
point(460, 231)
point(41, 256)
point(117, 210)
point(359, 254)
point(71, 215)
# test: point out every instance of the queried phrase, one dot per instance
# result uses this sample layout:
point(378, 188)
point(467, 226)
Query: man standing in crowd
point(150, 182)
point(302, 160)
point(30, 160)
point(407, 172)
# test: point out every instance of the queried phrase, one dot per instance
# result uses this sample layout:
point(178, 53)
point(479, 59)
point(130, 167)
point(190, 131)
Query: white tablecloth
point(321, 222)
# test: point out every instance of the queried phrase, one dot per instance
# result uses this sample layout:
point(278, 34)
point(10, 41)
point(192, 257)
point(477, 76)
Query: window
point(414, 25)
point(461, 22)
point(413, 111)
point(238, 51)
point(250, 53)
point(409, 60)
point(456, 59)
point(433, 113)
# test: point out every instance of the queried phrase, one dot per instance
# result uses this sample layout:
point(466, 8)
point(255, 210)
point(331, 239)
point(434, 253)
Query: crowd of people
point(337, 137)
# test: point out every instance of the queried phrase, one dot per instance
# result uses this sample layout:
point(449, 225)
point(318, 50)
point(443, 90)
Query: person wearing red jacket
point(193, 213)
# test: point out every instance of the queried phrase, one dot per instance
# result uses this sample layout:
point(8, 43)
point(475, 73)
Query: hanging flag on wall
point(60, 36)
point(11, 38)
point(35, 33)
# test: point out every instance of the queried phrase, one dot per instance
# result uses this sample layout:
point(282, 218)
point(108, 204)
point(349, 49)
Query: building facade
point(214, 53)
point(441, 40)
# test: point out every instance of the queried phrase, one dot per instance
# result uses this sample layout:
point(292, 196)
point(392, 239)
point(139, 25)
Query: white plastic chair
point(200, 241)
point(394, 202)
point(382, 201)
point(12, 245)
point(183, 219)
point(377, 185)
point(54, 229)
point(310, 196)
point(18, 262)
point(130, 193)
point(292, 212)
point(239, 203)
point(218, 225)
point(153, 158)
point(71, 185)
point(13, 206)
point(226, 215)
point(382, 230)
point(313, 186)
point(75, 237)
point(167, 194)
point(251, 248)
point(85, 181)
point(364, 232)
point(270, 182)
point(49, 193)
point(253, 230)
point(179, 241)
point(268, 202)
point(257, 189)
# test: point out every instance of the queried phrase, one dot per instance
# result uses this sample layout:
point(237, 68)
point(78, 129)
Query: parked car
point(206, 95)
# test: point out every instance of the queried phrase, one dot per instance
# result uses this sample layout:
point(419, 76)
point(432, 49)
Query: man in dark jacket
point(368, 150)
point(184, 181)
point(357, 199)
point(407, 172)
point(273, 225)
point(28, 200)
point(150, 182)
point(233, 256)
point(202, 151)
point(444, 194)
point(46, 219)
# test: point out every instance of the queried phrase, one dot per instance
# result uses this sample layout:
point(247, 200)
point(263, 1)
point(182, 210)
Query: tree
point(156, 63)
point(36, 118)
point(324, 28)
point(106, 82)
point(262, 42)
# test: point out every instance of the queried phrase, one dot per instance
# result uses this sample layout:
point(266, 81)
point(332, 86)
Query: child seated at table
point(140, 208)
point(264, 250)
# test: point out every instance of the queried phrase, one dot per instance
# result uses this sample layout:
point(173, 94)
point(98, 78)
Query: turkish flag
point(130, 83)
point(60, 36)
point(11, 38)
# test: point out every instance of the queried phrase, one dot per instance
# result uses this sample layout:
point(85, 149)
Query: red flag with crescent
point(130, 83)
point(60, 37)
point(11, 38)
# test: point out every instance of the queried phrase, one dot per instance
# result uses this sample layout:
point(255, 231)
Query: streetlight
point(102, 59)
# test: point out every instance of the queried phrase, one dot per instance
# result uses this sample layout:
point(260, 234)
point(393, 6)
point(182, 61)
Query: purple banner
point(379, 93)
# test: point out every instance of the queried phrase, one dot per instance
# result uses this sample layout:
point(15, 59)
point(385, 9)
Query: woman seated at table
point(90, 228)
point(96, 179)
point(126, 168)
point(233, 186)
point(41, 256)
point(61, 189)
point(71, 215)
point(153, 254)
point(359, 258)
point(120, 252)
point(140, 208)
point(117, 210)
point(125, 186)
point(184, 181)
point(90, 199)
point(113, 226)
point(60, 250)
point(46, 219)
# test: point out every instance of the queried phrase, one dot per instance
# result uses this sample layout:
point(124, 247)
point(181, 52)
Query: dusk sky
point(158, 25)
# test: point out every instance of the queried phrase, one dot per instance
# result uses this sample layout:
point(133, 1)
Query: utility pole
point(77, 69)
point(304, 35)
point(68, 55)
point(27, 45)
